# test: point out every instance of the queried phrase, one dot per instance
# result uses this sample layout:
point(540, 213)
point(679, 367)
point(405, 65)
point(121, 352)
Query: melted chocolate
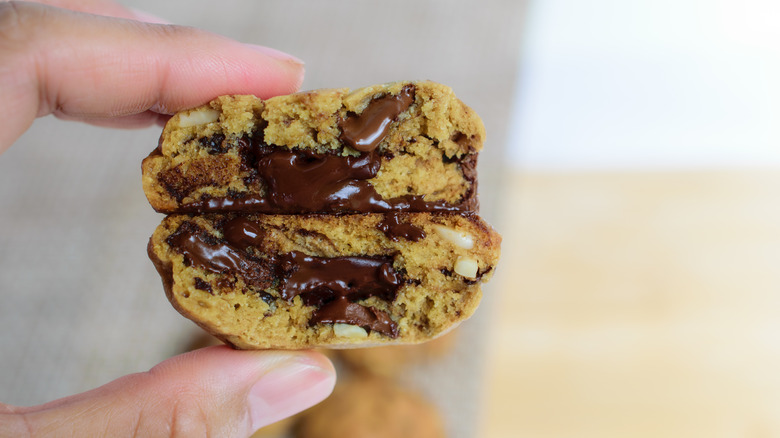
point(369, 203)
point(365, 131)
point(242, 232)
point(320, 279)
point(395, 230)
point(343, 311)
point(302, 181)
point(305, 182)
point(330, 284)
point(204, 252)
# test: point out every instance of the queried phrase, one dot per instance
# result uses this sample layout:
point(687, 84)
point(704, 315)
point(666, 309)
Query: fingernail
point(276, 54)
point(288, 389)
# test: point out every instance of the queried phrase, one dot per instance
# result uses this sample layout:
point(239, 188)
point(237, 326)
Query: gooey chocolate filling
point(204, 251)
point(394, 229)
point(332, 285)
point(301, 181)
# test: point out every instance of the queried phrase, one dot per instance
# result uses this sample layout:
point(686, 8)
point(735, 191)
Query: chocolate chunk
point(343, 311)
point(202, 285)
point(225, 283)
point(242, 232)
point(464, 141)
point(321, 279)
point(364, 132)
point(394, 229)
point(266, 297)
point(214, 144)
point(205, 252)
point(214, 171)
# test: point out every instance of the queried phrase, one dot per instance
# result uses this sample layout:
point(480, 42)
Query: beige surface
point(638, 304)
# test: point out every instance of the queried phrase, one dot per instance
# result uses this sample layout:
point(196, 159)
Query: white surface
point(647, 84)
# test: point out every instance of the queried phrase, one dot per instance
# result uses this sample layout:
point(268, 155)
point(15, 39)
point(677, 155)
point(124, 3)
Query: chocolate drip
point(320, 279)
point(365, 131)
point(343, 311)
point(205, 252)
point(395, 230)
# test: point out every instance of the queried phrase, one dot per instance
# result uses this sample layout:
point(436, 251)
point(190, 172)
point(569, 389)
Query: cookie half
point(404, 146)
point(301, 281)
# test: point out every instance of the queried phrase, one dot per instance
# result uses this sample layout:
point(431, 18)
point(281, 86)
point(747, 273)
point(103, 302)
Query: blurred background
point(632, 166)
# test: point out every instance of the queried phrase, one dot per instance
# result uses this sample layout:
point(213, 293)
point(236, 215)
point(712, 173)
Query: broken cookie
point(323, 218)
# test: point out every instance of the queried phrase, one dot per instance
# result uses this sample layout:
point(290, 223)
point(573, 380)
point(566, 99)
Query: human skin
point(98, 62)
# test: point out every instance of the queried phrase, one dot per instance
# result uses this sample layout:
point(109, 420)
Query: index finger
point(107, 70)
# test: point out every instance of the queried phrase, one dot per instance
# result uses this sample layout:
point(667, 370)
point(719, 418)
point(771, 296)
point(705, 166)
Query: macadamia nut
point(458, 238)
point(197, 117)
point(466, 267)
point(349, 331)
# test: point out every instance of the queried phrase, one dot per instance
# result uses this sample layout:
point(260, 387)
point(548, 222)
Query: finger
point(96, 7)
point(214, 391)
point(103, 7)
point(134, 121)
point(94, 68)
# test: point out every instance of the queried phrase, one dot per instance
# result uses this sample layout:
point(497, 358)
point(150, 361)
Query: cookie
point(404, 146)
point(328, 218)
point(302, 281)
point(393, 360)
point(371, 408)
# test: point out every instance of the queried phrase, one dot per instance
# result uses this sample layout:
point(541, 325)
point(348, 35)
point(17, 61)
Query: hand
point(99, 63)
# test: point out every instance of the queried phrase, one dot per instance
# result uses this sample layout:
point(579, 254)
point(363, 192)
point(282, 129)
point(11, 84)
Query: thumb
point(213, 391)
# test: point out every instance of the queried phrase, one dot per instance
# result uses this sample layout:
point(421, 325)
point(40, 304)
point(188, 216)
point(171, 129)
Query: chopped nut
point(459, 238)
point(197, 117)
point(466, 267)
point(349, 331)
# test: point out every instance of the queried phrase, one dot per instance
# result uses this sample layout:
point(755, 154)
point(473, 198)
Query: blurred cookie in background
point(390, 361)
point(280, 429)
point(371, 407)
point(200, 339)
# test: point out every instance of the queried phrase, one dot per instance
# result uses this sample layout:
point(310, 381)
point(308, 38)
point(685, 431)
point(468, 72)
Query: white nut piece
point(197, 117)
point(459, 238)
point(349, 331)
point(466, 267)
